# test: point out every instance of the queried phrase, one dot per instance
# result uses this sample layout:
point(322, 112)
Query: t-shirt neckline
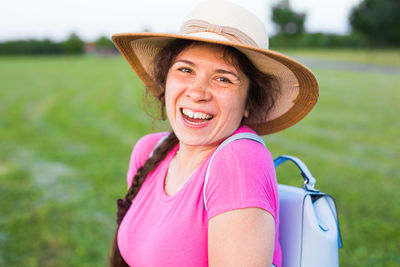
point(161, 182)
point(165, 164)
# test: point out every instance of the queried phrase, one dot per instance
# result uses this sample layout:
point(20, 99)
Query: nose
point(199, 91)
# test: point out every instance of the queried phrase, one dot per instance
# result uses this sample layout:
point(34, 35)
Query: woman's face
point(205, 96)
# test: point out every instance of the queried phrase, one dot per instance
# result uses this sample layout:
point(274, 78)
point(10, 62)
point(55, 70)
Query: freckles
point(170, 87)
point(177, 89)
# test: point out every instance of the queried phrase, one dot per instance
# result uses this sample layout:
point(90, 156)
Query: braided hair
point(161, 64)
point(123, 204)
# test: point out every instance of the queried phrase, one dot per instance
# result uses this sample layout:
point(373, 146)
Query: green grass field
point(67, 126)
point(371, 56)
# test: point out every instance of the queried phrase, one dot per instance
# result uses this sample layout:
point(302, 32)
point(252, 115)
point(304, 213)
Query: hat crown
point(220, 20)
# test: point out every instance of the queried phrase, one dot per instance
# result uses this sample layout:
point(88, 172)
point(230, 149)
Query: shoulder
point(243, 156)
point(141, 151)
point(146, 144)
point(241, 174)
point(244, 150)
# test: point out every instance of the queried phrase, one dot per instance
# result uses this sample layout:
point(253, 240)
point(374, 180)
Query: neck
point(189, 157)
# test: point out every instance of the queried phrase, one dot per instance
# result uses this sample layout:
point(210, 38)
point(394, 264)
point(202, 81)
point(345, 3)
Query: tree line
point(374, 23)
point(72, 46)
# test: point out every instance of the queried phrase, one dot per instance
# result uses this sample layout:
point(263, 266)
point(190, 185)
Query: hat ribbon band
point(230, 33)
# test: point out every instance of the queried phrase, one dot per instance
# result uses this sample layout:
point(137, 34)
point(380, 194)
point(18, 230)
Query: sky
point(90, 19)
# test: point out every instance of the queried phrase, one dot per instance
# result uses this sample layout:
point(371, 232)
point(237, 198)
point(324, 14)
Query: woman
point(215, 79)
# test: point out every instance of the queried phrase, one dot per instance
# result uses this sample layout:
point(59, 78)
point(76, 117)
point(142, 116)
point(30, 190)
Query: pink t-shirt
point(161, 230)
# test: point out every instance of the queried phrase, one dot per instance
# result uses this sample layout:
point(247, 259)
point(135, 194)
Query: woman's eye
point(224, 80)
point(187, 70)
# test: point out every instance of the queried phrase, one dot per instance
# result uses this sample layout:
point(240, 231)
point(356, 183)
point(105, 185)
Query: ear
point(246, 113)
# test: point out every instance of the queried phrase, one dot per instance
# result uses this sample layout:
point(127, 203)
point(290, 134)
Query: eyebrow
point(220, 71)
point(185, 61)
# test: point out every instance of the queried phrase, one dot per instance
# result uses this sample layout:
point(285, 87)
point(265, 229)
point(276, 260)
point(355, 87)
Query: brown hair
point(262, 92)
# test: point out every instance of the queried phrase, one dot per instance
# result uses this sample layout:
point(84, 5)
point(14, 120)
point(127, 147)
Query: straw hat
point(229, 24)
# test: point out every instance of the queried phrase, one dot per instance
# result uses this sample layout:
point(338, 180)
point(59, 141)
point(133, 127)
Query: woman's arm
point(241, 237)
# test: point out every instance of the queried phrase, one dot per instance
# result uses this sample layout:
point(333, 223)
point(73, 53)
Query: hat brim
point(298, 85)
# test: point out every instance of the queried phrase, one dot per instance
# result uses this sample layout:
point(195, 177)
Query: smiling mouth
point(195, 118)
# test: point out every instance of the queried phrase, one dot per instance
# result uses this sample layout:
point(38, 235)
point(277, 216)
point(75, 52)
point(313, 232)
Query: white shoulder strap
point(158, 143)
point(250, 136)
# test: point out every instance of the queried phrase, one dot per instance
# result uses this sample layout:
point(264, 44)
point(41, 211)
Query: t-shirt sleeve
point(242, 175)
point(141, 153)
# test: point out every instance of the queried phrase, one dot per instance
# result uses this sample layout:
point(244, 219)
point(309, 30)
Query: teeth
point(196, 115)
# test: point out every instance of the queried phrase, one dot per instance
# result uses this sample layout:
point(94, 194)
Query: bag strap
point(158, 143)
point(234, 137)
point(309, 180)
